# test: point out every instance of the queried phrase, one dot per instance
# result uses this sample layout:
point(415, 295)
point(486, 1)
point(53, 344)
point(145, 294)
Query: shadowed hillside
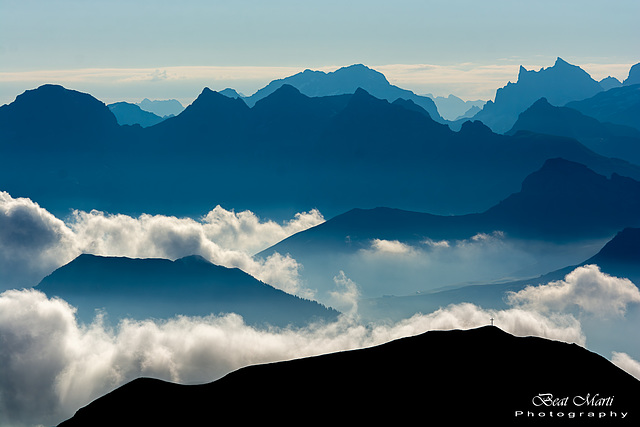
point(160, 288)
point(458, 377)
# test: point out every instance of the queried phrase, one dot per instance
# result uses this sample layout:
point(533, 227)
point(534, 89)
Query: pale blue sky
point(119, 49)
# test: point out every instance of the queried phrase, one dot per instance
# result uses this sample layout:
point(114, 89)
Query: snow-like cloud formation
point(626, 363)
point(345, 297)
point(586, 287)
point(390, 247)
point(33, 242)
point(50, 365)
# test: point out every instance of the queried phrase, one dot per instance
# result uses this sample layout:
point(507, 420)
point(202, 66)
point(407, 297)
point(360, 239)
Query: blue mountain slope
point(560, 84)
point(160, 288)
point(347, 80)
point(562, 201)
point(290, 151)
point(130, 114)
point(618, 105)
point(604, 138)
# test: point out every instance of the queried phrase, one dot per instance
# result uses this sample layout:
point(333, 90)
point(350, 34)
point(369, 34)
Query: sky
point(121, 50)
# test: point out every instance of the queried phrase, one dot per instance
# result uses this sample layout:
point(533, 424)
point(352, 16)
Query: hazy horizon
point(119, 51)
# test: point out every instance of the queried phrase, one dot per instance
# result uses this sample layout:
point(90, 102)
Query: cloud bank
point(33, 242)
point(50, 365)
point(587, 288)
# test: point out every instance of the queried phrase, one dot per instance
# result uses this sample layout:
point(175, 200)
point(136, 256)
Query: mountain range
point(347, 80)
point(452, 108)
point(618, 105)
point(549, 169)
point(160, 288)
point(562, 201)
point(564, 209)
point(161, 108)
point(131, 114)
point(457, 376)
point(608, 139)
point(288, 153)
point(559, 84)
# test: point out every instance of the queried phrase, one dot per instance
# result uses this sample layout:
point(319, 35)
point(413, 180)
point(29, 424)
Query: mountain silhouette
point(609, 83)
point(39, 116)
point(604, 138)
point(131, 114)
point(451, 107)
point(160, 288)
point(618, 105)
point(568, 200)
point(621, 255)
point(288, 153)
point(559, 84)
point(454, 376)
point(563, 205)
point(162, 108)
point(562, 201)
point(347, 80)
point(634, 76)
point(231, 93)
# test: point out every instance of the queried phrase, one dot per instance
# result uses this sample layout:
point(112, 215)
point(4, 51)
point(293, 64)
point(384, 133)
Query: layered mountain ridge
point(290, 150)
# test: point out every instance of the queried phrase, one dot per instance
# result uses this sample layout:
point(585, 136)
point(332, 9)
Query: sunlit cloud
point(33, 242)
point(626, 363)
point(51, 365)
point(585, 287)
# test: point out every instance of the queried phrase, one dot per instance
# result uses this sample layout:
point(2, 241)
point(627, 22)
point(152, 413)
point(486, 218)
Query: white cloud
point(436, 243)
point(586, 287)
point(390, 247)
point(626, 363)
point(33, 242)
point(345, 297)
point(50, 366)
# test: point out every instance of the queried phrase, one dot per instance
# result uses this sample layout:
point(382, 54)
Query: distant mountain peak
point(625, 246)
point(560, 84)
point(194, 259)
point(475, 127)
point(347, 80)
point(634, 76)
point(209, 98)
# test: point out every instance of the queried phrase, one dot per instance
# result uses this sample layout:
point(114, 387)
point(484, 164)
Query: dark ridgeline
point(162, 108)
point(159, 288)
point(619, 106)
point(621, 255)
point(452, 377)
point(563, 201)
point(607, 139)
point(131, 114)
point(347, 80)
point(289, 152)
point(634, 76)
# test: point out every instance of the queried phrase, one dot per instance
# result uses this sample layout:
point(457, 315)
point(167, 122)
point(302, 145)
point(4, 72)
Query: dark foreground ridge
point(454, 377)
